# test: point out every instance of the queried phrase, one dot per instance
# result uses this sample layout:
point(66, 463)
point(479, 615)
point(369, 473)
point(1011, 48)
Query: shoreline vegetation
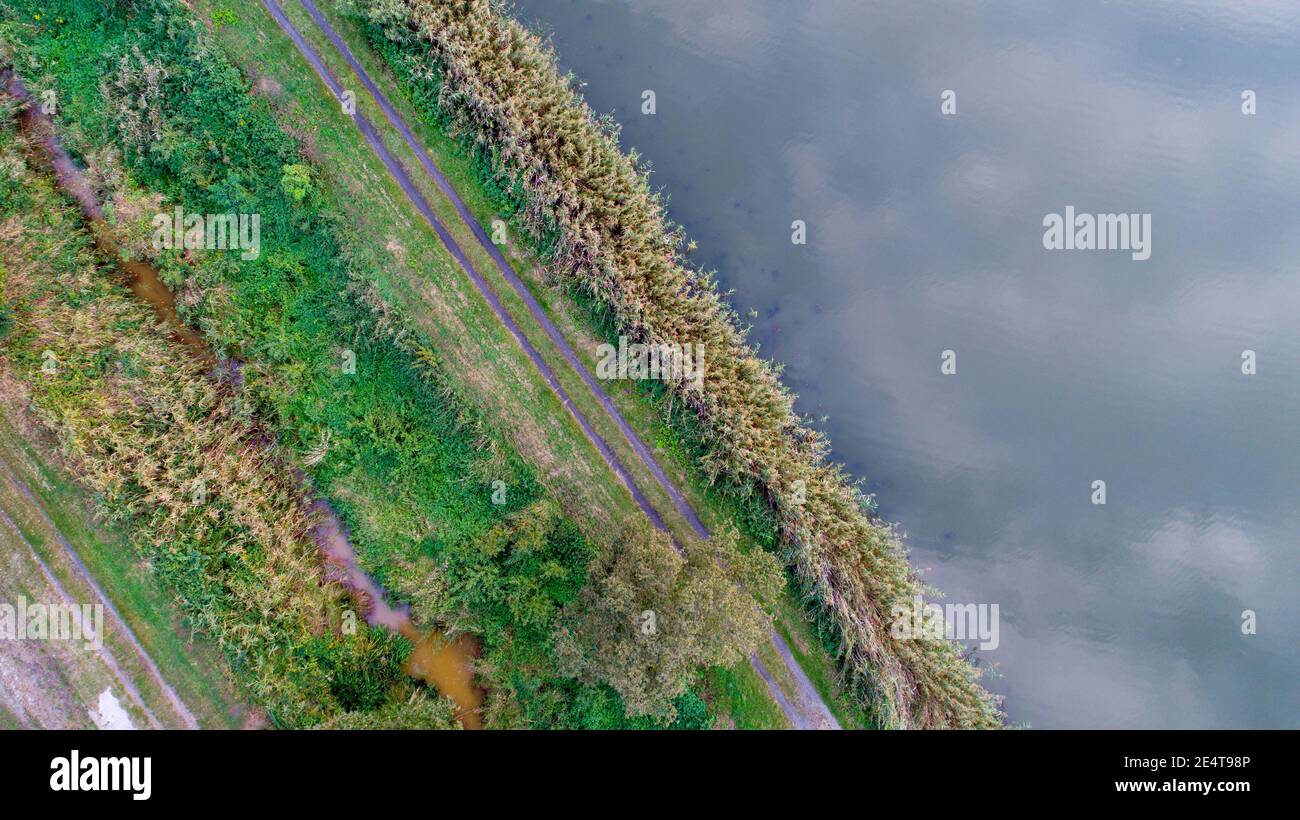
point(788, 688)
point(801, 681)
point(588, 209)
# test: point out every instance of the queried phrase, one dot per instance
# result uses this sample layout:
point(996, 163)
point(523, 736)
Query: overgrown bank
point(591, 210)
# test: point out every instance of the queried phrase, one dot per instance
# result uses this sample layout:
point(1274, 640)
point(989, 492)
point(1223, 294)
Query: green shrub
point(295, 179)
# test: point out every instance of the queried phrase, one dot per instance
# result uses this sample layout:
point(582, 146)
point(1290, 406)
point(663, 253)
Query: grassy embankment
point(561, 175)
point(750, 702)
point(55, 684)
point(739, 691)
point(255, 42)
point(392, 445)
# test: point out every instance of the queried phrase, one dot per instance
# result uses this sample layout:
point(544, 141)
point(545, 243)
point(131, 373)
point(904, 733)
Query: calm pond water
point(925, 234)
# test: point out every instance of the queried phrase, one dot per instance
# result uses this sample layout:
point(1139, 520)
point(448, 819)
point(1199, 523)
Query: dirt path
point(507, 272)
point(398, 172)
point(114, 616)
point(811, 711)
point(123, 679)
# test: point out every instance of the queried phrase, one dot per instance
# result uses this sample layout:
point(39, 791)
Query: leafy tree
point(651, 617)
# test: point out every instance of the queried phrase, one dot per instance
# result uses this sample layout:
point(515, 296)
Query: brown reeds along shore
point(612, 241)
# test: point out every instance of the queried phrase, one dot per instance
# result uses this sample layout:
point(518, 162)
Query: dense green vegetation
point(589, 208)
point(651, 617)
point(739, 692)
point(147, 430)
point(330, 370)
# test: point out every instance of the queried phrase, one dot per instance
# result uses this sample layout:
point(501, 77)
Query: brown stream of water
point(446, 664)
